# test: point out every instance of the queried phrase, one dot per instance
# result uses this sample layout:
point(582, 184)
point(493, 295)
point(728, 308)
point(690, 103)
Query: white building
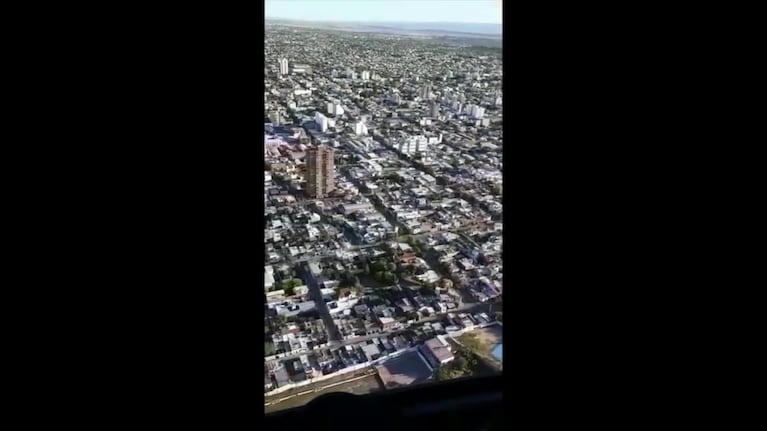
point(268, 277)
point(365, 75)
point(414, 145)
point(301, 68)
point(284, 66)
point(475, 111)
point(322, 121)
point(360, 129)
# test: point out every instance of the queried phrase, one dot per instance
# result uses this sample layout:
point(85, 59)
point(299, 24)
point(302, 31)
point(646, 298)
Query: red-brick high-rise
point(320, 172)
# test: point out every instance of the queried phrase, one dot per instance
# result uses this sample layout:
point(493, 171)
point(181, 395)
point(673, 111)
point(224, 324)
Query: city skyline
point(375, 11)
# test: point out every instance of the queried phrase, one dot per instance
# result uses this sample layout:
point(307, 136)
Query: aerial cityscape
point(383, 209)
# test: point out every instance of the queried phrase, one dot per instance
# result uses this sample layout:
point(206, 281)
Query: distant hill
point(463, 29)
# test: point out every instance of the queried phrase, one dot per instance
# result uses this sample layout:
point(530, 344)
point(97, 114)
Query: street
point(322, 307)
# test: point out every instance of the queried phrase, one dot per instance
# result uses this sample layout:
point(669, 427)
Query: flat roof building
point(437, 352)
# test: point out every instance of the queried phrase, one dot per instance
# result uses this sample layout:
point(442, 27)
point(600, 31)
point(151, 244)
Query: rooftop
point(439, 350)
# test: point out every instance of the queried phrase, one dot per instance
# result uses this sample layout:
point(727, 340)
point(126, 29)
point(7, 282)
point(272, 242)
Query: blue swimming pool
point(498, 352)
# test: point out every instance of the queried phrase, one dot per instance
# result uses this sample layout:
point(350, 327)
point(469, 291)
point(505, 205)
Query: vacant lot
point(483, 341)
point(350, 383)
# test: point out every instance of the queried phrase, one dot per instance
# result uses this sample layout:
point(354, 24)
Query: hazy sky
point(475, 11)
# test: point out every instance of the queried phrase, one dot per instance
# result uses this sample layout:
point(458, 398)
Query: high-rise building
point(360, 128)
point(284, 66)
point(274, 117)
point(434, 109)
point(425, 91)
point(322, 121)
point(475, 111)
point(414, 145)
point(365, 75)
point(320, 172)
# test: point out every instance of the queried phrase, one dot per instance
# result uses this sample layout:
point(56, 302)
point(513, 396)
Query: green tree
point(379, 266)
point(387, 277)
point(471, 362)
point(444, 267)
point(442, 373)
point(289, 290)
point(391, 266)
point(269, 348)
point(460, 362)
point(347, 280)
point(292, 283)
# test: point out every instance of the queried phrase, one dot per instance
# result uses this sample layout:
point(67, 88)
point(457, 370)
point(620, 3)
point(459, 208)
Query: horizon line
point(392, 22)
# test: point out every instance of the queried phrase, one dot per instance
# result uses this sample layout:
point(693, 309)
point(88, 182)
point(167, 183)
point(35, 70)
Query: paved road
point(314, 293)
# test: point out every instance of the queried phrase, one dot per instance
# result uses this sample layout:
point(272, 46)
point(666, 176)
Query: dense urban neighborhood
point(383, 211)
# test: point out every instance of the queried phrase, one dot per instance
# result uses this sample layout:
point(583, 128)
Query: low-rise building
point(437, 352)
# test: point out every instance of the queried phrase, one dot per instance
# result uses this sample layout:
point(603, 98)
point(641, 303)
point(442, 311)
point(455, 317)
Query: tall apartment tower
point(322, 122)
point(284, 66)
point(434, 109)
point(320, 172)
point(425, 91)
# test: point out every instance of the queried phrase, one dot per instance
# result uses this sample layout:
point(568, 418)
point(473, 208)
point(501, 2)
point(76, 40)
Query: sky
point(469, 11)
